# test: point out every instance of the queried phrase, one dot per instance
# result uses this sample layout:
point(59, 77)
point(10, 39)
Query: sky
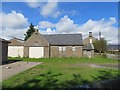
point(60, 18)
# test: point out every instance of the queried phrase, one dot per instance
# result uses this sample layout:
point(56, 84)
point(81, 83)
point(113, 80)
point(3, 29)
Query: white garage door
point(36, 52)
point(15, 51)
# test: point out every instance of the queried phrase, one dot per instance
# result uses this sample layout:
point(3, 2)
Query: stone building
point(53, 45)
point(16, 48)
point(89, 39)
point(46, 46)
point(88, 49)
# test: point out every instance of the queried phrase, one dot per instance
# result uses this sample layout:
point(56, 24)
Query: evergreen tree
point(29, 32)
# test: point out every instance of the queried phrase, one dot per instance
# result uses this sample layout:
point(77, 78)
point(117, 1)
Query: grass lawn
point(61, 72)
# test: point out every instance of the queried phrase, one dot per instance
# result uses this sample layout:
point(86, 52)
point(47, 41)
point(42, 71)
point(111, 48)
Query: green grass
point(69, 60)
point(61, 72)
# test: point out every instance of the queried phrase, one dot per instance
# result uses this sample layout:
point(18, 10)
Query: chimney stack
point(99, 35)
point(36, 31)
point(90, 34)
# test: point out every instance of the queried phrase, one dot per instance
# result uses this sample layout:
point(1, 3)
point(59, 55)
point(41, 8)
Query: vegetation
point(99, 59)
point(61, 73)
point(100, 45)
point(29, 32)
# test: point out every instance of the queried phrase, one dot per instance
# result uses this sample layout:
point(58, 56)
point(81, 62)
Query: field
point(62, 73)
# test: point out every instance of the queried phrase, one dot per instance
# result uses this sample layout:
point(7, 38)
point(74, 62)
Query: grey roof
point(19, 40)
point(64, 39)
point(113, 47)
point(88, 47)
point(3, 40)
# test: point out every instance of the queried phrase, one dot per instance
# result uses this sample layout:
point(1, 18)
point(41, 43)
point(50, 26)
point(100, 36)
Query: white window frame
point(63, 49)
point(90, 40)
point(60, 49)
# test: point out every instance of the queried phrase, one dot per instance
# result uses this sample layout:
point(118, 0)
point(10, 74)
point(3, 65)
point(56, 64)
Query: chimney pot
point(36, 30)
point(90, 34)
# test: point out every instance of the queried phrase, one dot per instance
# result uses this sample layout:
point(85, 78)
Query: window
point(90, 40)
point(73, 48)
point(62, 49)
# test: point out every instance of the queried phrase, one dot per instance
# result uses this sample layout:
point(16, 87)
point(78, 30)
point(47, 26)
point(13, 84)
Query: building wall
point(46, 52)
point(15, 51)
point(26, 51)
point(54, 51)
point(36, 40)
point(3, 51)
point(86, 41)
point(88, 53)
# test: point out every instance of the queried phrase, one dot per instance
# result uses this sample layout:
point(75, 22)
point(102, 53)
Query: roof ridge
point(18, 39)
point(1, 39)
point(62, 34)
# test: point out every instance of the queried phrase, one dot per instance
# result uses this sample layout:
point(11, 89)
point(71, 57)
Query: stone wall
point(113, 56)
point(54, 51)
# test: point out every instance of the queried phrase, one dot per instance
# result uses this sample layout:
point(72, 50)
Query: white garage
point(15, 51)
point(36, 52)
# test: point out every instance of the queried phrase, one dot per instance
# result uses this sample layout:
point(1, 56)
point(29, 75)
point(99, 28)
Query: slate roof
point(16, 42)
point(113, 47)
point(64, 39)
point(3, 40)
point(88, 47)
point(19, 40)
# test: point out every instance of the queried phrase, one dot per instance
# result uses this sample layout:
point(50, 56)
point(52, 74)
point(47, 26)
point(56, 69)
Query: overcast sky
point(60, 18)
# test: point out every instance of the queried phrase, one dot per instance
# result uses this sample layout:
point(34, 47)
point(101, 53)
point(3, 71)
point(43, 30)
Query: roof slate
point(88, 47)
point(3, 40)
point(19, 40)
point(64, 39)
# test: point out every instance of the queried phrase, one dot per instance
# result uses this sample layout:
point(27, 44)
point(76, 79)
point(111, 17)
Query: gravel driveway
point(9, 70)
point(93, 65)
point(112, 66)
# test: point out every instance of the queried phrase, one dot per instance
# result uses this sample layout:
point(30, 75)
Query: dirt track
point(12, 69)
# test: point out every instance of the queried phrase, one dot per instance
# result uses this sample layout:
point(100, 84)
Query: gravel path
point(9, 70)
point(113, 66)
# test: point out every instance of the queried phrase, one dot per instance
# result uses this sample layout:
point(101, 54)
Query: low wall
point(113, 56)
